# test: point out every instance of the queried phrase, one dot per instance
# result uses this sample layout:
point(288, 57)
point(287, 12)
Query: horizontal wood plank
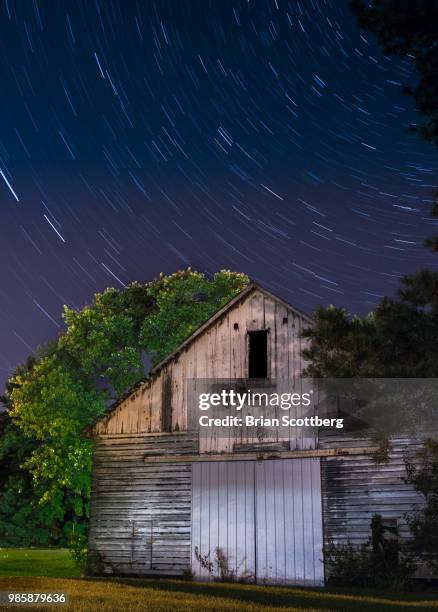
point(261, 456)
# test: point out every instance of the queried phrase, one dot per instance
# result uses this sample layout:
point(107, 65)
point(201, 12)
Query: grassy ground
point(176, 595)
point(53, 562)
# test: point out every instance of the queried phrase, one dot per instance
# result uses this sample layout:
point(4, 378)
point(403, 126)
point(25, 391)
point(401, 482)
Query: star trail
point(265, 136)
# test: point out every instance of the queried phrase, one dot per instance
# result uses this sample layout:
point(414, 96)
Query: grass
point(55, 562)
point(51, 570)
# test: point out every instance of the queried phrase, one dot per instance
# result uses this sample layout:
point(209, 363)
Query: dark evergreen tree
point(408, 28)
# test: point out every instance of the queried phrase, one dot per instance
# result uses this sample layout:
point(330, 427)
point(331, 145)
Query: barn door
point(223, 519)
point(259, 521)
point(289, 521)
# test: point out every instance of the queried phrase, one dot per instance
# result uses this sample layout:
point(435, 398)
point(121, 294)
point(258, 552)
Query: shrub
point(423, 522)
point(78, 549)
point(220, 568)
point(380, 562)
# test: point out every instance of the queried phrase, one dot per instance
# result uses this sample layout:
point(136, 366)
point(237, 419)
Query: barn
point(169, 501)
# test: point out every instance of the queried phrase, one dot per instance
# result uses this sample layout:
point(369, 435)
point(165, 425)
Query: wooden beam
point(262, 456)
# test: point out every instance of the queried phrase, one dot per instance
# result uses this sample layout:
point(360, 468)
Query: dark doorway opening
point(258, 354)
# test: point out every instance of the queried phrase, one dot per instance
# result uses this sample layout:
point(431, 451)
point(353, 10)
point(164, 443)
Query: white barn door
point(223, 518)
point(264, 519)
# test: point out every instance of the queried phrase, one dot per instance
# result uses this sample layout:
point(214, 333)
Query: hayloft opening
point(258, 354)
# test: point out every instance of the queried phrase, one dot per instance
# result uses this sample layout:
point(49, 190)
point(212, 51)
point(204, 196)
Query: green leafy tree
point(21, 520)
point(183, 302)
point(54, 396)
point(50, 406)
point(102, 348)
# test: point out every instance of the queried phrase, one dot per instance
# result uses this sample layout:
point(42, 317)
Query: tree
point(54, 396)
point(399, 339)
point(21, 519)
point(408, 28)
point(183, 302)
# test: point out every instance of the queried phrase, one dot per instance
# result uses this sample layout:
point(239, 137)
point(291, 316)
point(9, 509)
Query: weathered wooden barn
point(164, 501)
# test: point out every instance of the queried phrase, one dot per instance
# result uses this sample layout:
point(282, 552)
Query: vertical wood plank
point(270, 324)
point(298, 526)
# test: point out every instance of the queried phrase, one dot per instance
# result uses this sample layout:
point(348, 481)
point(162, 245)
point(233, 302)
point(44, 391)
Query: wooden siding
point(356, 487)
point(264, 516)
point(140, 513)
point(221, 352)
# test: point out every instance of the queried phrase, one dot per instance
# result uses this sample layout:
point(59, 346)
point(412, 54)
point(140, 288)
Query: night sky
point(140, 137)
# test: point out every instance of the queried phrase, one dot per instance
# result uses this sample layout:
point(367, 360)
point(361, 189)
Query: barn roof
point(250, 288)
